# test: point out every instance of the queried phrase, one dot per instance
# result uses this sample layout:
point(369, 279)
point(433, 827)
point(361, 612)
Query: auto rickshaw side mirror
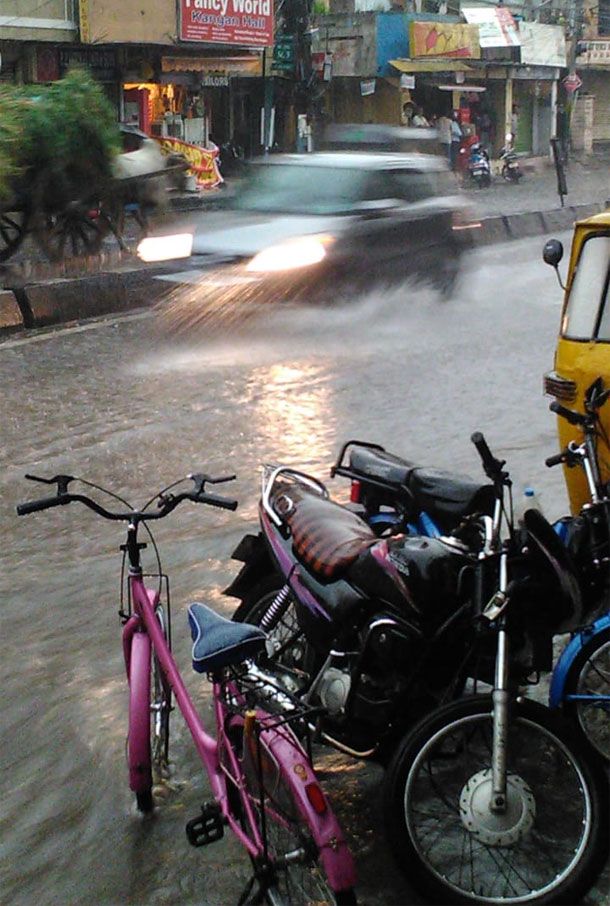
point(552, 253)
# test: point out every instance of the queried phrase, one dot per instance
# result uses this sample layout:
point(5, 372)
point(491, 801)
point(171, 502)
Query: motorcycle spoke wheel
point(287, 643)
point(590, 676)
point(549, 844)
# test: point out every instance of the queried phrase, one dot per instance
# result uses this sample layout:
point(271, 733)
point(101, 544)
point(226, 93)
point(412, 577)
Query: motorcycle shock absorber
point(276, 609)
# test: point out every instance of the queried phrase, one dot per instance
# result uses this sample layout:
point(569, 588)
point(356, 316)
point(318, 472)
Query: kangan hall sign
point(248, 23)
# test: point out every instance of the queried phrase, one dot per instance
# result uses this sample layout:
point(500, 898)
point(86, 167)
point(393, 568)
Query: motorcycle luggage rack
point(302, 478)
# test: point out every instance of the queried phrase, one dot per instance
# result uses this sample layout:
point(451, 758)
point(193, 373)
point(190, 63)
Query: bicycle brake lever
point(62, 481)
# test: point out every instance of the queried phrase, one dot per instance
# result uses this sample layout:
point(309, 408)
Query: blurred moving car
point(302, 224)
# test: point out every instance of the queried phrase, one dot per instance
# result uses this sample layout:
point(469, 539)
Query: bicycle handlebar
point(555, 460)
point(574, 418)
point(166, 504)
point(34, 505)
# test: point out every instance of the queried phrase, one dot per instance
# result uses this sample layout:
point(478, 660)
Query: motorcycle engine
point(333, 690)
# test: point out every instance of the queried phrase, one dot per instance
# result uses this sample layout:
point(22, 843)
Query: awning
point(233, 66)
point(445, 65)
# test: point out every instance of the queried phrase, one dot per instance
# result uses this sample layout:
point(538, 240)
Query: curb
point(111, 285)
point(503, 227)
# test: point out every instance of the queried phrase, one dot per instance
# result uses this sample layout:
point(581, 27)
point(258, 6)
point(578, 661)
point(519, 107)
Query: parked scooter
point(511, 171)
point(581, 679)
point(479, 167)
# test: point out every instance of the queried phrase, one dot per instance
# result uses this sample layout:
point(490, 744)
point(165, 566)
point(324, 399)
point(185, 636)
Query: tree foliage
point(61, 138)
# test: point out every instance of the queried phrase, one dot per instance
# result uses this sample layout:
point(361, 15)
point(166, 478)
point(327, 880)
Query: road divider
point(113, 284)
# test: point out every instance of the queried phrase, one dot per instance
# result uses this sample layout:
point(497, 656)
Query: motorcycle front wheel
point(547, 846)
point(587, 692)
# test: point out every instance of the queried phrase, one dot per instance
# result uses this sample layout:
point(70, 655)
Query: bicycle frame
point(143, 624)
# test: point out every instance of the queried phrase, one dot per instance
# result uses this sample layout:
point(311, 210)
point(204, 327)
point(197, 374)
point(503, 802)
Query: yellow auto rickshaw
point(583, 347)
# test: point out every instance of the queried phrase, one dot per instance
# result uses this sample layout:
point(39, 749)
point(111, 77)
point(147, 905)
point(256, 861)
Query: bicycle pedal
point(208, 827)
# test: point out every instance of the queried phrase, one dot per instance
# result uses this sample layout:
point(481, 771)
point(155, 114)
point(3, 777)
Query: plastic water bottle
point(529, 500)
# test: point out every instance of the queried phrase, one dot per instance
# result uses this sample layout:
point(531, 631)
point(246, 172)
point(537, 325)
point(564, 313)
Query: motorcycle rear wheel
point(550, 844)
point(292, 649)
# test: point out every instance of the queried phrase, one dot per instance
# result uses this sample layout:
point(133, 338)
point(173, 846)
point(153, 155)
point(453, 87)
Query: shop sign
point(322, 65)
point(248, 23)
point(591, 52)
point(572, 82)
point(542, 45)
point(441, 39)
point(367, 86)
point(100, 62)
point(214, 80)
point(496, 25)
point(284, 53)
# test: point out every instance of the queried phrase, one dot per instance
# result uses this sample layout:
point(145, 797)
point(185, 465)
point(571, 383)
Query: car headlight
point(165, 248)
point(294, 253)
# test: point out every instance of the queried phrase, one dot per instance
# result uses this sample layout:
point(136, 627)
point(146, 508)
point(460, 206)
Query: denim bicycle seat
point(217, 642)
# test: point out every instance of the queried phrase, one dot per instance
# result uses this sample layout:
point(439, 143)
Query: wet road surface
point(115, 403)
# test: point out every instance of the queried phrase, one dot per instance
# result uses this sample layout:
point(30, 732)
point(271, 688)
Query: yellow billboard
point(442, 39)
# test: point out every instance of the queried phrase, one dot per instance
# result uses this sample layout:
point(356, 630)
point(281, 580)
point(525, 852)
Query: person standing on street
point(419, 119)
point(444, 135)
point(456, 138)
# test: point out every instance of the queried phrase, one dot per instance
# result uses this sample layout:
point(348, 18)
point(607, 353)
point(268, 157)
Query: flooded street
point(119, 406)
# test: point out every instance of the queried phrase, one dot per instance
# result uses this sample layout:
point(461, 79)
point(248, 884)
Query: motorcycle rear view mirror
point(552, 253)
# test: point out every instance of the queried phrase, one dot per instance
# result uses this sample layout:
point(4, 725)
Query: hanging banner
point(496, 25)
point(248, 23)
point(203, 162)
point(441, 39)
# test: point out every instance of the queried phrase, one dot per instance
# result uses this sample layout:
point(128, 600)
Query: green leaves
point(61, 138)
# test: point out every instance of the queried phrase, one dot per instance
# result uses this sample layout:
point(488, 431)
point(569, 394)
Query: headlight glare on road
point(289, 255)
point(165, 248)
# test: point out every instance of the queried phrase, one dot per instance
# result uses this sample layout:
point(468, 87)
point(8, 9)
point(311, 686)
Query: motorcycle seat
point(381, 465)
point(448, 498)
point(326, 537)
point(445, 496)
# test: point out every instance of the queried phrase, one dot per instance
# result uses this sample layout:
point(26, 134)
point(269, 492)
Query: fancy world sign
point(248, 23)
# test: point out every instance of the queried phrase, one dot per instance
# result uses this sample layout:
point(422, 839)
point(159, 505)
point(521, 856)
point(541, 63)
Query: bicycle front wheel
point(547, 846)
point(305, 860)
point(587, 692)
point(149, 710)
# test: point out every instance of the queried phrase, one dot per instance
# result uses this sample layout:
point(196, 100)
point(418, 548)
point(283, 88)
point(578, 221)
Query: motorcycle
point(580, 685)
point(479, 167)
point(491, 799)
point(374, 633)
point(511, 171)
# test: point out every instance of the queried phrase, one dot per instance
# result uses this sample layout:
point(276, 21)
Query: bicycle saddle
point(217, 642)
point(326, 537)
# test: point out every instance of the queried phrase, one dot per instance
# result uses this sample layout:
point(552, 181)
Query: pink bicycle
point(263, 784)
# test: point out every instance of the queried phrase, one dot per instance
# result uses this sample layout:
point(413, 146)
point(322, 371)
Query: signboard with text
point(248, 23)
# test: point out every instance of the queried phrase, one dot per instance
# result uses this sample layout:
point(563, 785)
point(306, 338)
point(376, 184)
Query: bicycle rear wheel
point(306, 860)
point(589, 675)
